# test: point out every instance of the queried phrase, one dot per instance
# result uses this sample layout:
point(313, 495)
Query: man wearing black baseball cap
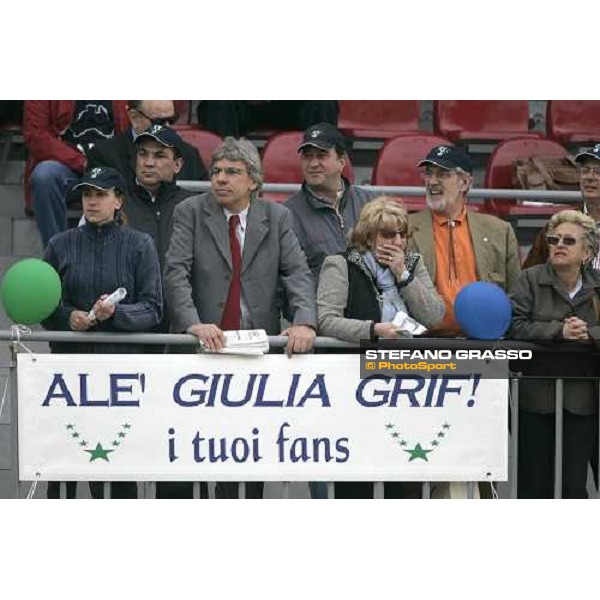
point(459, 246)
point(327, 206)
point(119, 152)
point(589, 183)
point(155, 194)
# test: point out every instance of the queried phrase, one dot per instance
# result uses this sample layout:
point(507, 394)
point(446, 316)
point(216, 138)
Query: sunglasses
point(168, 121)
point(567, 240)
point(391, 234)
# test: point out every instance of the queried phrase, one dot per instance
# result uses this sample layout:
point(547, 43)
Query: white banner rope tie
point(4, 396)
point(21, 330)
point(31, 492)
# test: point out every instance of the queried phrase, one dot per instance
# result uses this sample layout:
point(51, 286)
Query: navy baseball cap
point(324, 136)
point(164, 135)
point(448, 157)
point(593, 152)
point(101, 178)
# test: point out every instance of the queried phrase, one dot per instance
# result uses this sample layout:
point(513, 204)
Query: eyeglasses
point(595, 171)
point(567, 240)
point(229, 171)
point(160, 120)
point(441, 175)
point(391, 234)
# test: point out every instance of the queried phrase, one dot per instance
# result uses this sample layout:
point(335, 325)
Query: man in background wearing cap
point(154, 195)
point(120, 152)
point(327, 206)
point(589, 184)
point(459, 246)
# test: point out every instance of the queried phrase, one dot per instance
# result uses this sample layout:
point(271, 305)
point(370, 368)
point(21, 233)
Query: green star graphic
point(446, 426)
point(395, 434)
point(115, 443)
point(390, 426)
point(441, 434)
point(126, 426)
point(69, 426)
point(402, 442)
point(75, 435)
point(418, 452)
point(435, 443)
point(121, 434)
point(83, 443)
point(99, 452)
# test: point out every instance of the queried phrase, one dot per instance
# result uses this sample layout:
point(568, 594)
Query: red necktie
point(231, 314)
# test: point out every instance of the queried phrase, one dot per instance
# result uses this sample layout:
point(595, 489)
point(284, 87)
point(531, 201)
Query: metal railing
point(149, 488)
point(558, 197)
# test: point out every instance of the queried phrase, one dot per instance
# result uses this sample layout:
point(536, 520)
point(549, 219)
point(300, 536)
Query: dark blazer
point(540, 306)
point(198, 266)
point(119, 153)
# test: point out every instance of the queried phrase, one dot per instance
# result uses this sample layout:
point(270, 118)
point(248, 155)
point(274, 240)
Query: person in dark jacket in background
point(93, 260)
point(120, 152)
point(327, 206)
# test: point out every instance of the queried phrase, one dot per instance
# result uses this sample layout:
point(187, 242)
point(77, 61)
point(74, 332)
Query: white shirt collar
point(243, 215)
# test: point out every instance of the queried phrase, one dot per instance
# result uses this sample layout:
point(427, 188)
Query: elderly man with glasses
point(589, 184)
point(459, 246)
point(120, 152)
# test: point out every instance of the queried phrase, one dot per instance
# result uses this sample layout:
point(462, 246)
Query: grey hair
point(245, 151)
point(590, 237)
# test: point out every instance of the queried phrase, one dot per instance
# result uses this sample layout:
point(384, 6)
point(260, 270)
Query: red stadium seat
point(482, 120)
point(184, 109)
point(378, 118)
point(573, 121)
point(281, 163)
point(500, 169)
point(396, 164)
point(206, 142)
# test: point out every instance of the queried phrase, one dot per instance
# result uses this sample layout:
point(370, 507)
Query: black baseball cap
point(164, 135)
point(324, 136)
point(593, 152)
point(101, 178)
point(448, 157)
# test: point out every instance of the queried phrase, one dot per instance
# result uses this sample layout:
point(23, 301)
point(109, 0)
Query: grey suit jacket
point(198, 266)
point(494, 243)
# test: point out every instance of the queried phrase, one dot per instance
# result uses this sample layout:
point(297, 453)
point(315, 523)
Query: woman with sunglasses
point(362, 290)
point(556, 302)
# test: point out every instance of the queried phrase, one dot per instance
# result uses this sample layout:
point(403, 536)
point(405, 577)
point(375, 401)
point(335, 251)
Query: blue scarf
point(386, 284)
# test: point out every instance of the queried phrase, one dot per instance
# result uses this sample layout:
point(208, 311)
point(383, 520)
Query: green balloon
point(30, 291)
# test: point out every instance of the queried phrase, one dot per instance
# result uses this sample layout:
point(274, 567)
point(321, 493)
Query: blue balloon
point(483, 310)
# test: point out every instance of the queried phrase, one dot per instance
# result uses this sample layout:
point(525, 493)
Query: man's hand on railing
point(300, 339)
point(210, 336)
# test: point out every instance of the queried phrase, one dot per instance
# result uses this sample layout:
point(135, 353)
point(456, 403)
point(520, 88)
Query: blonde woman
point(361, 290)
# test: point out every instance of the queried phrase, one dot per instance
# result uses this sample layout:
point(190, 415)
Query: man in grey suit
point(227, 255)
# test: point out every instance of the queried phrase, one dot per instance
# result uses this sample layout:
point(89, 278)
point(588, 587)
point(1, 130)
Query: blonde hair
point(590, 237)
point(383, 212)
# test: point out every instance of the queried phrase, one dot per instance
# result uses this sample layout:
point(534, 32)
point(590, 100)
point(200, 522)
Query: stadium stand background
point(19, 235)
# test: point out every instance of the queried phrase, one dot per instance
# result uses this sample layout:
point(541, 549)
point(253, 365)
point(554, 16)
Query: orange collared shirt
point(455, 265)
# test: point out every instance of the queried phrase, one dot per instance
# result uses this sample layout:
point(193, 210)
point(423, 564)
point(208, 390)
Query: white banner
point(218, 418)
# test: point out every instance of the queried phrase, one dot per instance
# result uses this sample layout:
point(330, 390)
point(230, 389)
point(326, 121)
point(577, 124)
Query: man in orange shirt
point(459, 246)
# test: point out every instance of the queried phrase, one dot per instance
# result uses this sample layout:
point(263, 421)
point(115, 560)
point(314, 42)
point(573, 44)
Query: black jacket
point(155, 216)
point(119, 153)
